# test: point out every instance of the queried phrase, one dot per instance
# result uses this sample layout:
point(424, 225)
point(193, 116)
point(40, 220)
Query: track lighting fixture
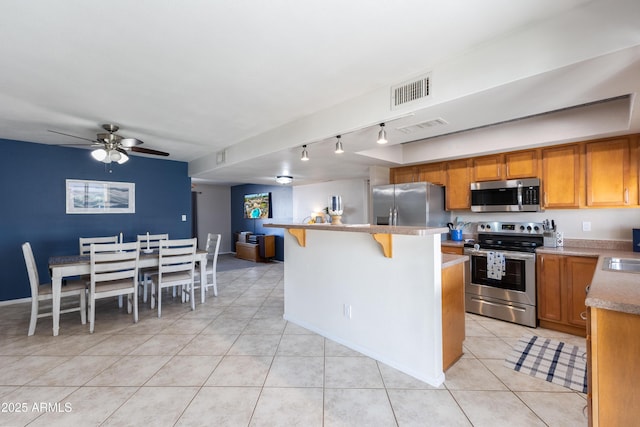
point(305, 154)
point(382, 135)
point(339, 149)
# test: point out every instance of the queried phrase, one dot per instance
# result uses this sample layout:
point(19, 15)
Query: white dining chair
point(114, 272)
point(148, 242)
point(85, 242)
point(43, 292)
point(175, 269)
point(212, 248)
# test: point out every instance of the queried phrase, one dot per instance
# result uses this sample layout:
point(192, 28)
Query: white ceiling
point(255, 80)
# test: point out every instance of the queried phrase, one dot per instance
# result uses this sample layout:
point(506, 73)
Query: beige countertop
point(366, 228)
point(611, 290)
point(449, 260)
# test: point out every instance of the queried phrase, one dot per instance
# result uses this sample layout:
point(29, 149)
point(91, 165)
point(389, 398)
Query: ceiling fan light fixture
point(123, 158)
point(284, 179)
point(339, 149)
point(305, 154)
point(382, 135)
point(115, 156)
point(99, 154)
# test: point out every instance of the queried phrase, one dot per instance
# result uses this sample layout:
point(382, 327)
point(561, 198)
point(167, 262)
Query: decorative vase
point(335, 209)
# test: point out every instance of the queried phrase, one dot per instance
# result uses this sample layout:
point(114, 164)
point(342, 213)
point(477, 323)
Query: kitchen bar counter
point(388, 306)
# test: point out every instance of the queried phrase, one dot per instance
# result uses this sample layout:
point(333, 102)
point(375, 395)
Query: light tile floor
point(235, 362)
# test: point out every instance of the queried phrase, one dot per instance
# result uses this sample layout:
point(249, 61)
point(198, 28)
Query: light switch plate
point(586, 225)
point(184, 218)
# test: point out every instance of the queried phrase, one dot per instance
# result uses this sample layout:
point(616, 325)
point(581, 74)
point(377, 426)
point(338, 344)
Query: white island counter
point(375, 289)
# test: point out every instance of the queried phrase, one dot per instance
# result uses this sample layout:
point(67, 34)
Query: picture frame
point(100, 197)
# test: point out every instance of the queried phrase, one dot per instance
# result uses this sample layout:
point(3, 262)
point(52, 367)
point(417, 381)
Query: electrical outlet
point(586, 225)
point(184, 218)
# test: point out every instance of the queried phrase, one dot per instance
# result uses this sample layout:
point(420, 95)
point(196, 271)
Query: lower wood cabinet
point(453, 317)
point(455, 250)
point(561, 286)
point(613, 351)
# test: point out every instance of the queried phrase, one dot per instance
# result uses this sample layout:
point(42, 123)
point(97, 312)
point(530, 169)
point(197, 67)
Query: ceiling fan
point(111, 147)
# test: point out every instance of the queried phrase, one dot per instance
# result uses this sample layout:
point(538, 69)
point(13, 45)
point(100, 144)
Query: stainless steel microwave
point(514, 195)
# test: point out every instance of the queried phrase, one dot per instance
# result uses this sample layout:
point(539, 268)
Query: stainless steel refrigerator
point(415, 204)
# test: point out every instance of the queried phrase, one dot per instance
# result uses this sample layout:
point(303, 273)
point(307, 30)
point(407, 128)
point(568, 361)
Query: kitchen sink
point(626, 265)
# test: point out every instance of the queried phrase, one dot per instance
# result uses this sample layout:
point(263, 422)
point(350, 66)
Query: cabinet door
point(561, 176)
point(488, 168)
point(549, 281)
point(404, 175)
point(458, 192)
point(521, 164)
point(578, 274)
point(609, 178)
point(432, 172)
point(452, 250)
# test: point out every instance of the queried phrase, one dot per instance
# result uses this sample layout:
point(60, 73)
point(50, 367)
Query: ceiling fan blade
point(130, 142)
point(72, 136)
point(148, 151)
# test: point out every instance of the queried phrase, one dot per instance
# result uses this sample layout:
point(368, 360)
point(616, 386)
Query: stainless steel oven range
point(501, 276)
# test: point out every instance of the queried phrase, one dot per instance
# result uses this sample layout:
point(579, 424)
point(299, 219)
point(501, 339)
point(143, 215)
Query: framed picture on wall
point(100, 197)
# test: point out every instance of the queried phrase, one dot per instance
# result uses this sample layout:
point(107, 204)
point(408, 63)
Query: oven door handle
point(507, 254)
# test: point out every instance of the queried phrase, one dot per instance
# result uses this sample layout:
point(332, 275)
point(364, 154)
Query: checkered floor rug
point(551, 360)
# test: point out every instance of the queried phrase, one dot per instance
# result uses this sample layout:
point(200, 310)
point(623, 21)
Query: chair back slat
point(85, 242)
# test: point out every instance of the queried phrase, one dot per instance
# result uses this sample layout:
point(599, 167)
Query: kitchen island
point(375, 289)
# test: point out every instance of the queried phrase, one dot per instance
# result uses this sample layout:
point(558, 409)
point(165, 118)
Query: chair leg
point(153, 295)
point(92, 313)
point(135, 306)
point(159, 301)
point(34, 315)
point(119, 301)
point(192, 295)
point(83, 307)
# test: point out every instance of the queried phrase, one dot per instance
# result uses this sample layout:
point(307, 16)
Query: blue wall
point(32, 180)
point(281, 207)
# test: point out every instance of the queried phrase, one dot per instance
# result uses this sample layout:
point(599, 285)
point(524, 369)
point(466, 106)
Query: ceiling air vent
point(410, 91)
point(422, 126)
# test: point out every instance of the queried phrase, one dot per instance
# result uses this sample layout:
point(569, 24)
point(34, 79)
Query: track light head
point(305, 154)
point(382, 135)
point(339, 149)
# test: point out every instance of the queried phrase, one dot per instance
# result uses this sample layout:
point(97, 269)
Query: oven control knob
point(522, 228)
point(536, 228)
point(482, 226)
point(528, 228)
point(488, 226)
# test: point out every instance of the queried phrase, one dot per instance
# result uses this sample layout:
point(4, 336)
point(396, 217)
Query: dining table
point(78, 265)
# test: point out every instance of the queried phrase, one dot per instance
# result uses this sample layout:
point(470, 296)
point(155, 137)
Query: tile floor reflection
point(235, 362)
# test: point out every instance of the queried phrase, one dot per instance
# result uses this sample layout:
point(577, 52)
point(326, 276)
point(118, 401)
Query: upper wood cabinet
point(612, 172)
point(561, 176)
point(432, 172)
point(521, 164)
point(404, 174)
point(488, 168)
point(458, 181)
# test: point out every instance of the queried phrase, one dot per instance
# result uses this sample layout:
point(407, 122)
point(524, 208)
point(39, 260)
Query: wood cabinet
point(261, 251)
point(611, 173)
point(561, 176)
point(458, 181)
point(561, 287)
point(488, 168)
point(453, 317)
point(613, 353)
point(455, 250)
point(432, 172)
point(521, 164)
point(404, 175)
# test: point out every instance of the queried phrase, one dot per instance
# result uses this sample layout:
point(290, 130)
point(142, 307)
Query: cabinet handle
point(626, 196)
point(586, 290)
point(546, 199)
point(583, 315)
point(498, 167)
point(507, 167)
